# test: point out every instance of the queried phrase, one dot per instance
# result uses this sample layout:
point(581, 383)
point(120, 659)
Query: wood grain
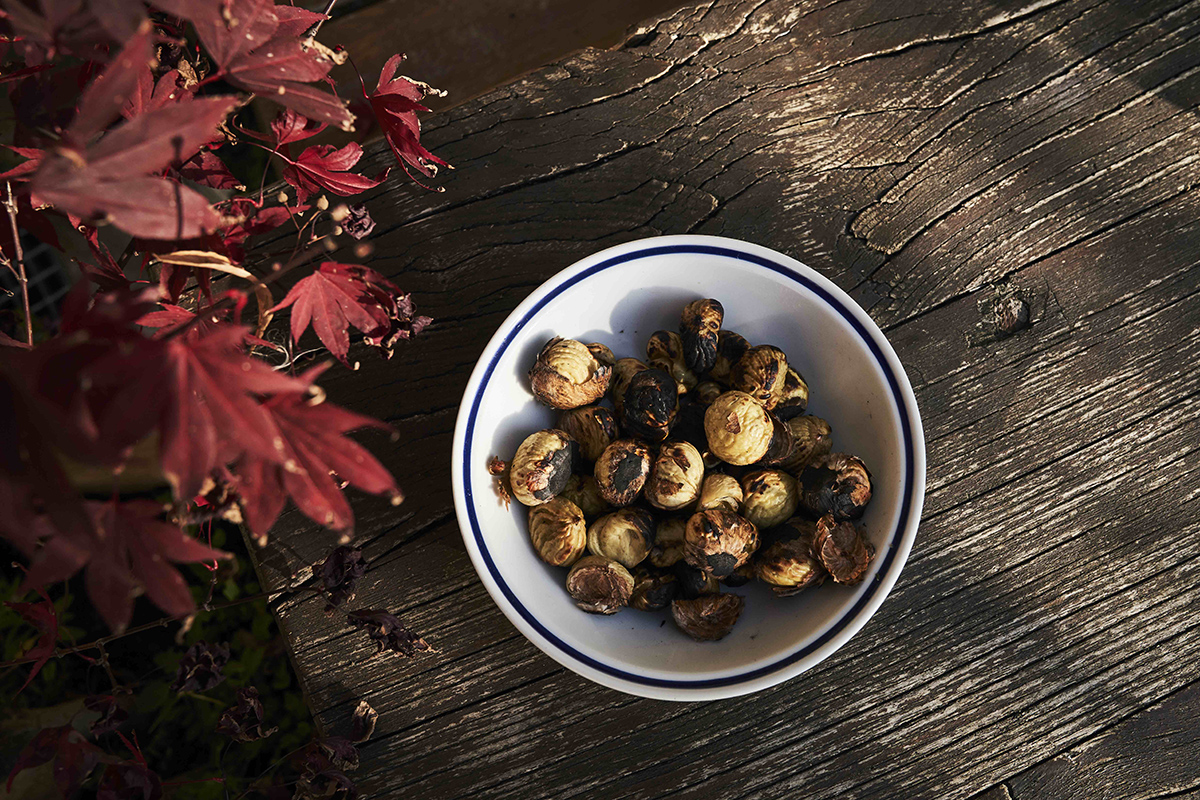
point(921, 160)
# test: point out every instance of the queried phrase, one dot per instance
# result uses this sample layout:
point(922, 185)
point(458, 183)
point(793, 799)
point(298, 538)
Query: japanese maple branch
point(311, 33)
point(10, 204)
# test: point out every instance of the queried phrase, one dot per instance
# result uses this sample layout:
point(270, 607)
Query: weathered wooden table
point(1043, 640)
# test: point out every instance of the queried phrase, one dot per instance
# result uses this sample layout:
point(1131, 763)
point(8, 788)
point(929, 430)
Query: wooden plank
point(917, 161)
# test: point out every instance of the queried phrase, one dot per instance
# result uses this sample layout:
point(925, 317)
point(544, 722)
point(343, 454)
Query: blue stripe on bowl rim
point(885, 563)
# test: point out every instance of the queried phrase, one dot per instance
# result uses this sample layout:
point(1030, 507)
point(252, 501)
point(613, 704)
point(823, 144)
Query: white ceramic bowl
point(619, 297)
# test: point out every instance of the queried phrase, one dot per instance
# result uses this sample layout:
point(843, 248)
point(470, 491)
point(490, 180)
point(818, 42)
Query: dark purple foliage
point(340, 572)
point(387, 632)
point(243, 722)
point(200, 668)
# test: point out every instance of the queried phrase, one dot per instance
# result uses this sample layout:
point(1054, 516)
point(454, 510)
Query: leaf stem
point(311, 33)
point(10, 204)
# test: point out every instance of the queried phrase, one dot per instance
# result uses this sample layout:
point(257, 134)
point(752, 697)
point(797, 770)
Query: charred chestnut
point(738, 428)
point(707, 392)
point(668, 542)
point(760, 373)
point(740, 576)
point(708, 618)
point(837, 484)
point(720, 491)
point(842, 549)
point(719, 541)
point(789, 566)
point(621, 471)
point(650, 404)
point(623, 372)
point(770, 498)
point(593, 427)
point(730, 348)
point(781, 444)
point(569, 374)
point(542, 466)
point(812, 439)
point(699, 327)
point(599, 585)
point(558, 532)
point(583, 491)
point(626, 536)
point(694, 582)
point(653, 590)
point(793, 401)
point(664, 351)
point(675, 476)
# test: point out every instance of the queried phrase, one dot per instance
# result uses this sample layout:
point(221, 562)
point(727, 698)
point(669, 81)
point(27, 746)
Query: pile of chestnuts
point(704, 474)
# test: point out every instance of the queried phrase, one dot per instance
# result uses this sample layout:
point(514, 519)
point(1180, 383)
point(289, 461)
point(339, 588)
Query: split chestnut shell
point(738, 428)
point(719, 541)
point(542, 466)
point(708, 618)
point(650, 404)
point(675, 476)
point(593, 427)
point(569, 374)
point(838, 484)
point(621, 471)
point(699, 327)
point(558, 532)
point(599, 585)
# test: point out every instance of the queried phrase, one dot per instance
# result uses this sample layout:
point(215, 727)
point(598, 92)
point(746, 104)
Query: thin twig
point(10, 203)
point(311, 33)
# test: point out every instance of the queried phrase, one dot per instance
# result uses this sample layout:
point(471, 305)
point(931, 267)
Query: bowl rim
point(792, 663)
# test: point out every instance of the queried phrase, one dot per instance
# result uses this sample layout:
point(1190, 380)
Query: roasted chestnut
point(599, 585)
point(738, 428)
point(794, 398)
point(569, 374)
point(719, 541)
point(653, 589)
point(837, 484)
point(593, 427)
point(675, 476)
point(694, 582)
point(769, 498)
point(740, 576)
point(720, 491)
point(789, 565)
point(542, 466)
point(761, 373)
point(583, 491)
point(781, 444)
point(650, 404)
point(842, 549)
point(730, 347)
point(708, 618)
point(621, 471)
point(811, 438)
point(626, 536)
point(558, 532)
point(706, 392)
point(699, 327)
point(664, 351)
point(623, 372)
point(668, 542)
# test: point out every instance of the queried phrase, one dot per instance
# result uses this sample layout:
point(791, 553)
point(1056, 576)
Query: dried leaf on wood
point(396, 102)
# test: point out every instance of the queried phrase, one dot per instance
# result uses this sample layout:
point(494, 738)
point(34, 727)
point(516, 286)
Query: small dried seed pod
point(542, 466)
point(782, 443)
point(626, 536)
point(558, 532)
point(812, 439)
point(567, 374)
point(720, 491)
point(653, 590)
point(794, 399)
point(694, 582)
point(621, 471)
point(623, 372)
point(760, 373)
point(789, 565)
point(740, 576)
point(706, 392)
point(599, 585)
point(730, 347)
point(664, 351)
point(738, 428)
point(842, 549)
point(668, 542)
point(593, 427)
point(583, 491)
point(699, 327)
point(719, 541)
point(770, 498)
point(837, 484)
point(675, 476)
point(650, 405)
point(708, 618)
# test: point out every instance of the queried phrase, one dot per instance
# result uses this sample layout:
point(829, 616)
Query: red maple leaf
point(325, 167)
point(336, 296)
point(207, 169)
point(396, 101)
point(314, 435)
point(22, 170)
point(74, 758)
point(290, 126)
point(42, 616)
point(257, 46)
point(150, 95)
